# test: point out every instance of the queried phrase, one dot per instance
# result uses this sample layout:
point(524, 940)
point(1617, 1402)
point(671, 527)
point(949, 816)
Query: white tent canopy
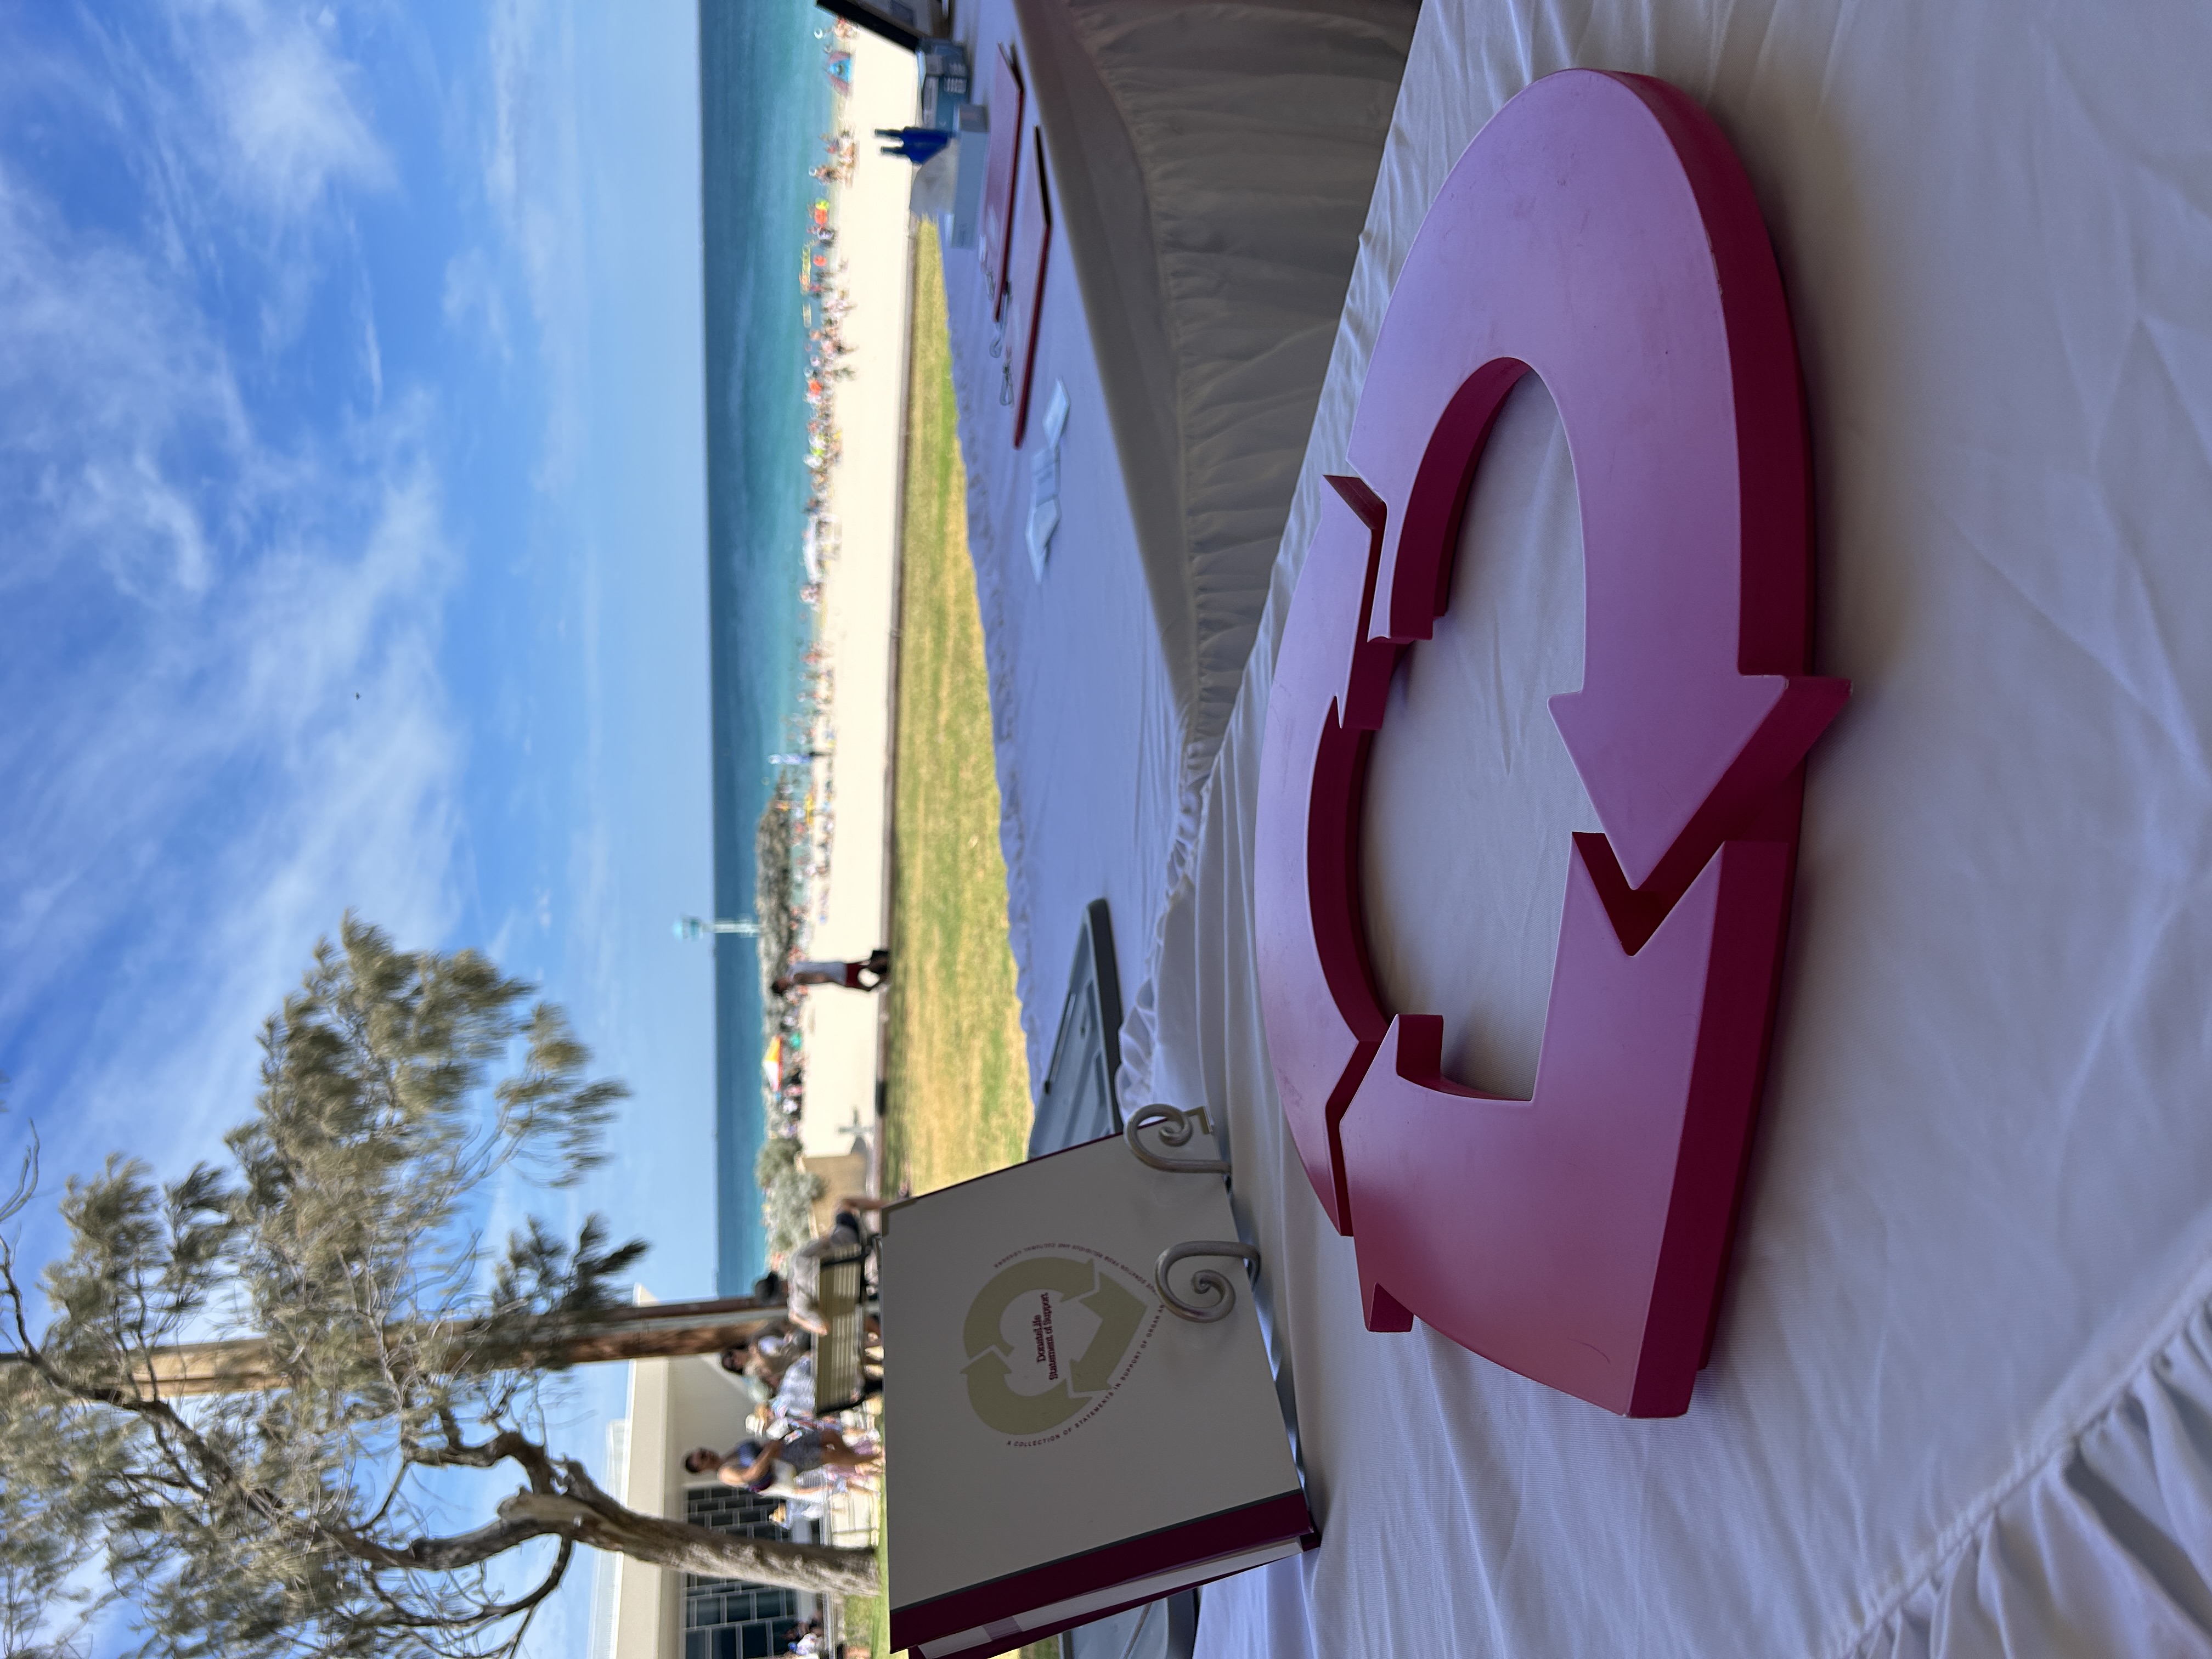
point(1210, 167)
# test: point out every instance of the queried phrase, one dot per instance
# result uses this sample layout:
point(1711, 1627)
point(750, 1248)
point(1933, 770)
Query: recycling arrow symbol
point(1598, 232)
point(1120, 1313)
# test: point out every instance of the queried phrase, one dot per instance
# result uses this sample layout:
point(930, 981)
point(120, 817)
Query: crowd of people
point(794, 895)
point(828, 305)
point(808, 799)
point(792, 1450)
point(812, 808)
point(843, 151)
point(792, 1453)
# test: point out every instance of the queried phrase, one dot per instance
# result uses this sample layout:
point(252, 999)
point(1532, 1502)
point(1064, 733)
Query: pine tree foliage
point(318, 1518)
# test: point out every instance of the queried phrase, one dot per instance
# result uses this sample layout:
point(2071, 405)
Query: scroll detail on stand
point(1176, 1128)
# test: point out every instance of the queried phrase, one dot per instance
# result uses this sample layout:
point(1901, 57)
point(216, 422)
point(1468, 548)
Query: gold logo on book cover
point(1045, 1340)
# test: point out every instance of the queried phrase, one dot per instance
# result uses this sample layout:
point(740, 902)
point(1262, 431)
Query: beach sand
point(860, 599)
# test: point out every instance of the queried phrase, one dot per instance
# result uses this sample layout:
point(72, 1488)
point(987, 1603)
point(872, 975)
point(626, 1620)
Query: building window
point(727, 1618)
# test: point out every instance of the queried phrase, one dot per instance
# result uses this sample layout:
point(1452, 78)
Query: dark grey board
point(1078, 1102)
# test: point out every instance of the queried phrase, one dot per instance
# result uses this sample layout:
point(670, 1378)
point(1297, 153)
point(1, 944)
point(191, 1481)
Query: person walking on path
point(916, 144)
point(867, 975)
point(754, 1463)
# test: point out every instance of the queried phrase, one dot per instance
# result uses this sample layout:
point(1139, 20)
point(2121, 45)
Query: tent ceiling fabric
point(1961, 1401)
point(1214, 161)
point(1211, 167)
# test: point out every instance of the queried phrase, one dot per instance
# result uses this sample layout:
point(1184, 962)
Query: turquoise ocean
point(764, 103)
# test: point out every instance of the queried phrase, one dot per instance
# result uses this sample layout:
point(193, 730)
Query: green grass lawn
point(957, 1088)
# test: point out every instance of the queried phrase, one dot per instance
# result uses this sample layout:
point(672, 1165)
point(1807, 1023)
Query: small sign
point(1066, 1443)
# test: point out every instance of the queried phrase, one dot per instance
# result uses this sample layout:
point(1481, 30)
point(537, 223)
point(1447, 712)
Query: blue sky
point(352, 523)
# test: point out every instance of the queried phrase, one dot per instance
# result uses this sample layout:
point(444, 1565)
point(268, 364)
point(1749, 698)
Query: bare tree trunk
point(599, 1521)
point(654, 1331)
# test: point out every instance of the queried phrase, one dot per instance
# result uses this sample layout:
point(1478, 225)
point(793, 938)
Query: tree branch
point(508, 1443)
point(447, 1554)
point(589, 1516)
point(490, 1613)
point(462, 1549)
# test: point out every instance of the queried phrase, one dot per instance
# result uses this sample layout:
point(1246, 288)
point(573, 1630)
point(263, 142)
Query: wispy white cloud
point(228, 721)
point(372, 356)
point(248, 127)
point(287, 126)
point(533, 181)
point(314, 695)
point(110, 379)
point(208, 791)
point(476, 305)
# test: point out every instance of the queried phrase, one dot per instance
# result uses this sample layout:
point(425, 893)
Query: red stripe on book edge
point(1188, 1543)
point(983, 1649)
point(1045, 1633)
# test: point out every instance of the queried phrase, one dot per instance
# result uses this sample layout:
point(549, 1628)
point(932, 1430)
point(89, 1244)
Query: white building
point(643, 1612)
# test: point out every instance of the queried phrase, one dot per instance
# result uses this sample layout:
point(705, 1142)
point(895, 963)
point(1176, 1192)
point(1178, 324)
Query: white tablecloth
point(1961, 1401)
point(1211, 165)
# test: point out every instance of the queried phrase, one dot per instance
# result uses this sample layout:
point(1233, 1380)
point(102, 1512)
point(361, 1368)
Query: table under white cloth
point(1211, 165)
point(1962, 1399)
